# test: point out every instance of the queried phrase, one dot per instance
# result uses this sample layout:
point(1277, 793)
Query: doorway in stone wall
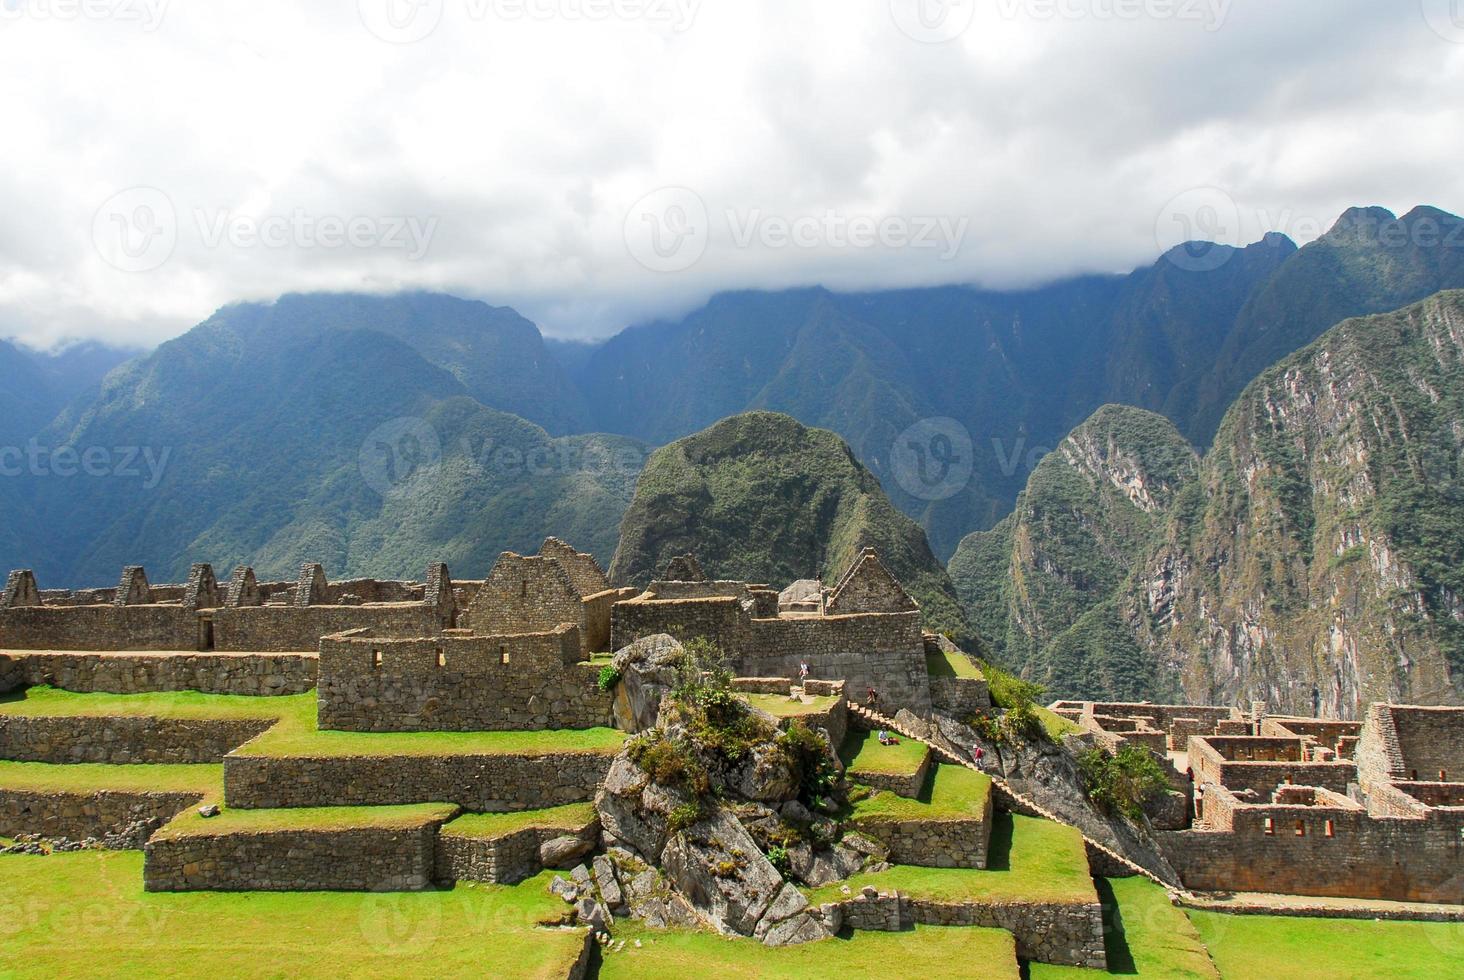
point(205, 633)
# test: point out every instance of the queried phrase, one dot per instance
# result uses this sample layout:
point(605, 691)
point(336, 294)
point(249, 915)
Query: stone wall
point(1069, 935)
point(879, 650)
point(299, 628)
point(1431, 741)
point(123, 820)
point(100, 627)
point(11, 674)
point(907, 785)
point(1241, 763)
point(869, 587)
point(934, 843)
point(481, 783)
point(456, 682)
point(1365, 856)
point(123, 740)
point(525, 594)
point(255, 675)
point(504, 860)
point(959, 697)
point(362, 859)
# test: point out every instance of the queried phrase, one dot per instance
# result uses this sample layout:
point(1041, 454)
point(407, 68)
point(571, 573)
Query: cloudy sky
point(598, 162)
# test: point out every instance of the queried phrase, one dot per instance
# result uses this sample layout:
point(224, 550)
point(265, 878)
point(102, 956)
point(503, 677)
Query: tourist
point(803, 671)
point(978, 755)
point(871, 699)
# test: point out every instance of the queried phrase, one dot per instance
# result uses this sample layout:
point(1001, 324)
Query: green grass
point(95, 777)
point(1030, 860)
point(930, 951)
point(229, 821)
point(487, 826)
point(780, 706)
point(1144, 935)
point(863, 753)
point(950, 793)
point(50, 702)
point(296, 735)
point(1289, 948)
point(86, 914)
point(1055, 724)
point(943, 664)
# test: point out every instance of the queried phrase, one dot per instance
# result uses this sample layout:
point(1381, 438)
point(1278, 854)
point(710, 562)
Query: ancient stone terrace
point(1161, 727)
point(868, 634)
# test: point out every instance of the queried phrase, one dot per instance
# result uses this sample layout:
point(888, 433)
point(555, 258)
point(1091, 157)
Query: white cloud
point(297, 150)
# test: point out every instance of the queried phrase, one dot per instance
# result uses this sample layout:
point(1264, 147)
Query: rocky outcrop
point(648, 672)
point(716, 864)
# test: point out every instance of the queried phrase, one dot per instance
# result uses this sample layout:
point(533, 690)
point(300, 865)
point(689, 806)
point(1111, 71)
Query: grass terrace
point(1288, 948)
point(943, 664)
point(50, 702)
point(862, 752)
point(930, 951)
point(87, 914)
point(296, 735)
point(44, 777)
point(231, 821)
point(781, 706)
point(490, 826)
point(950, 793)
point(1144, 935)
point(1030, 860)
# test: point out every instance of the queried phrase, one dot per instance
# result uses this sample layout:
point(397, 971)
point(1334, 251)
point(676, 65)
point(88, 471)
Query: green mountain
point(763, 498)
point(264, 438)
point(1039, 586)
point(1317, 546)
point(1013, 371)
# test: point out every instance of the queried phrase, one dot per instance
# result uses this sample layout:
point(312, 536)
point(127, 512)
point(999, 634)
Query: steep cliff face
point(1322, 547)
point(1318, 547)
point(762, 498)
point(1040, 586)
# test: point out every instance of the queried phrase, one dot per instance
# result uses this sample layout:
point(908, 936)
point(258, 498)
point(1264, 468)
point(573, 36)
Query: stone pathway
point(1262, 903)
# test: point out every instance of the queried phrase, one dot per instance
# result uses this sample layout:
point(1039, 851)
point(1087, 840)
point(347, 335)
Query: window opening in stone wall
point(524, 589)
point(1443, 776)
point(1301, 828)
point(1413, 776)
point(375, 658)
point(441, 658)
point(1330, 830)
point(503, 654)
point(1270, 827)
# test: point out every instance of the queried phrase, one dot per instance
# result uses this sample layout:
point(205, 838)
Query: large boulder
point(717, 866)
point(648, 671)
point(633, 810)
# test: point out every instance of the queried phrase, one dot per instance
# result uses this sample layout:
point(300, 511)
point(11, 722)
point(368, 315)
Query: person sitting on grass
point(886, 738)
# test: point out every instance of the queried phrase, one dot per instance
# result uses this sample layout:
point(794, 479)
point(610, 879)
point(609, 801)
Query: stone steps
point(1098, 853)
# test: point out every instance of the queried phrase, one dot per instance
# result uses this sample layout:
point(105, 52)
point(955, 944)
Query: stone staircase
point(1105, 857)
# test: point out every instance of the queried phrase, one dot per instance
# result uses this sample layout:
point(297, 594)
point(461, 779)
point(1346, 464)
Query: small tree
point(1123, 782)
